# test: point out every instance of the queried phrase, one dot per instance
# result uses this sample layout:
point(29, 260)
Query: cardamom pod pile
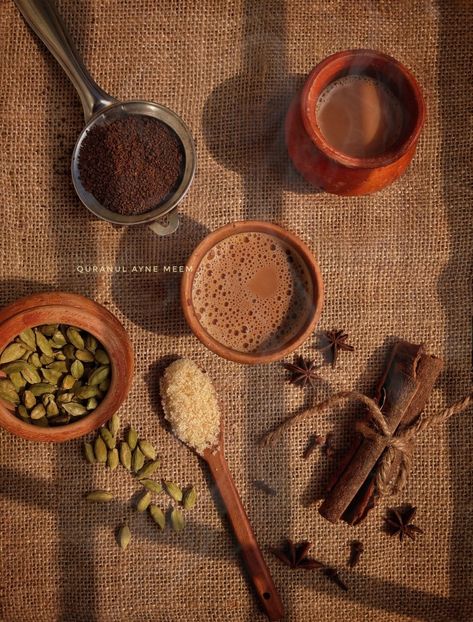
point(139, 457)
point(55, 374)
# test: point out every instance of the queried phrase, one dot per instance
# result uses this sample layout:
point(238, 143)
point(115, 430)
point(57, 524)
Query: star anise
point(302, 371)
point(295, 555)
point(398, 522)
point(336, 341)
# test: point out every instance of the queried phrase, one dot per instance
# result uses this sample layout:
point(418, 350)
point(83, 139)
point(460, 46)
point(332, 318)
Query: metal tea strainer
point(100, 108)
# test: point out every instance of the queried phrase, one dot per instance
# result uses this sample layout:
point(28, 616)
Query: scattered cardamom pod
point(124, 537)
point(100, 450)
point(99, 496)
point(114, 424)
point(132, 438)
point(177, 520)
point(147, 449)
point(148, 469)
point(173, 491)
point(125, 455)
point(138, 460)
point(89, 453)
point(157, 515)
point(108, 438)
point(150, 484)
point(190, 498)
point(112, 458)
point(143, 501)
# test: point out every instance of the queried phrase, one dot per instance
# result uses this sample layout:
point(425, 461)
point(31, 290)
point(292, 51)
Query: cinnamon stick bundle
point(402, 394)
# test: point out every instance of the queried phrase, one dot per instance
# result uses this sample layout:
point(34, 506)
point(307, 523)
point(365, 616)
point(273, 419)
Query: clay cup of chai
point(252, 292)
point(354, 127)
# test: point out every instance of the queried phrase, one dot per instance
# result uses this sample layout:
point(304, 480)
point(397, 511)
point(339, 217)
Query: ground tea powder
point(131, 165)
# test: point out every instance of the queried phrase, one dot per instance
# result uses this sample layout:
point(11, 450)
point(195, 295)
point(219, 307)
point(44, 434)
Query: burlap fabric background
point(396, 264)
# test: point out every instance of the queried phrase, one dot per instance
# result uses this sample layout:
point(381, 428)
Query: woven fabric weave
point(395, 264)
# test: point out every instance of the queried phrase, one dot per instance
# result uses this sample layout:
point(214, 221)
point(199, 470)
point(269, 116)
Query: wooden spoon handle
point(256, 566)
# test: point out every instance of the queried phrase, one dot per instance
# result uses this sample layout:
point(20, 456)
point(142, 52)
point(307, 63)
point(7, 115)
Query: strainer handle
point(170, 224)
point(43, 18)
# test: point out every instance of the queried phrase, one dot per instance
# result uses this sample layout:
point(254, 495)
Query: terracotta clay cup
point(331, 170)
point(74, 310)
point(292, 242)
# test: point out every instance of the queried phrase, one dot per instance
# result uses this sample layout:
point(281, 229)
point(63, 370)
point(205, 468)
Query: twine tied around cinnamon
point(398, 444)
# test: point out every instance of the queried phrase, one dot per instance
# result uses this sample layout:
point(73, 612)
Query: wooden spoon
point(253, 559)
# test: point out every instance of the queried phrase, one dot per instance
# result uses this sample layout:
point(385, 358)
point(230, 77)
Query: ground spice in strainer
point(131, 165)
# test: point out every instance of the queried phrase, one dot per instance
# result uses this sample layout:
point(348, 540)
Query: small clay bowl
point(294, 243)
point(331, 170)
point(74, 310)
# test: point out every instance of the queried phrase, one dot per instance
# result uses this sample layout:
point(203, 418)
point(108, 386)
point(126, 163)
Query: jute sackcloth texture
point(395, 264)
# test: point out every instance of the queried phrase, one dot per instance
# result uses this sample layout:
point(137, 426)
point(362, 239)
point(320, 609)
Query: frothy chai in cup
point(252, 292)
point(359, 116)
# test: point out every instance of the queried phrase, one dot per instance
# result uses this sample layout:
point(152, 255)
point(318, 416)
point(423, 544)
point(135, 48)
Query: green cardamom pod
point(91, 343)
point(177, 520)
point(143, 501)
point(30, 374)
point(64, 398)
point(29, 399)
point(44, 345)
point(190, 498)
point(92, 403)
point(58, 340)
point(75, 338)
point(85, 356)
point(109, 440)
point(48, 329)
point(148, 469)
point(157, 515)
point(28, 338)
point(52, 409)
point(17, 381)
point(74, 409)
point(34, 360)
point(68, 382)
point(77, 369)
point(59, 356)
point(138, 460)
point(45, 360)
point(51, 376)
point(112, 459)
point(40, 388)
point(132, 438)
point(124, 536)
point(173, 491)
point(102, 357)
point(125, 455)
point(99, 496)
point(23, 413)
point(8, 392)
point(150, 484)
point(41, 423)
point(114, 424)
point(85, 393)
point(98, 375)
point(13, 352)
point(89, 453)
point(100, 450)
point(148, 449)
point(38, 412)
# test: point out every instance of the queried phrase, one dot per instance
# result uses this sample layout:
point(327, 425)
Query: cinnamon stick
point(405, 388)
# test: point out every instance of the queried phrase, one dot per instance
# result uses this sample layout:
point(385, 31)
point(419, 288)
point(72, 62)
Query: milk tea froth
point(252, 292)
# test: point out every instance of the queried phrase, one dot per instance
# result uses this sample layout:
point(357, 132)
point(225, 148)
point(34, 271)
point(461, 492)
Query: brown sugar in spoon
point(190, 405)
